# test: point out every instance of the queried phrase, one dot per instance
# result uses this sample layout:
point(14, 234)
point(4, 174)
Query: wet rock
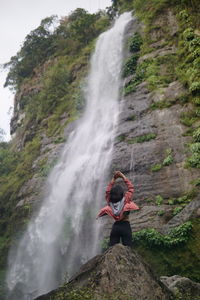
point(121, 273)
point(188, 212)
point(182, 287)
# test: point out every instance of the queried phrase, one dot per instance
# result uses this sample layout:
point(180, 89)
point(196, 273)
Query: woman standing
point(119, 205)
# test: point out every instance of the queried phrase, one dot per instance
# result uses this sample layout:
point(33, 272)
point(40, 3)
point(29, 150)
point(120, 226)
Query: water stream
point(65, 232)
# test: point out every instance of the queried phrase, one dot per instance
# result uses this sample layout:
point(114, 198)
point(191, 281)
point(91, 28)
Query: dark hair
point(116, 193)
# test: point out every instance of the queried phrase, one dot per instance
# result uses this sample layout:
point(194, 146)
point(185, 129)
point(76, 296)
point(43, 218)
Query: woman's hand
point(118, 174)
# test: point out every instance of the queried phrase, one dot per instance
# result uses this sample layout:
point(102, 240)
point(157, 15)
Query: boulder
point(182, 287)
point(119, 273)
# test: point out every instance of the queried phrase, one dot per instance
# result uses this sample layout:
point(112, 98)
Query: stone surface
point(121, 273)
point(164, 24)
point(160, 52)
point(182, 287)
point(188, 212)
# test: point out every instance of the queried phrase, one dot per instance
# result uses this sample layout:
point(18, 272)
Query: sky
point(17, 19)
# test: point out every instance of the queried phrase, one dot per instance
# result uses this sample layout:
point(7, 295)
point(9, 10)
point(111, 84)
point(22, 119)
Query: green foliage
point(195, 147)
point(37, 47)
point(196, 135)
point(81, 26)
point(156, 168)
point(142, 138)
point(45, 167)
point(161, 213)
point(152, 71)
point(160, 71)
point(68, 293)
point(194, 160)
point(167, 261)
point(121, 6)
point(195, 87)
point(8, 159)
point(55, 88)
point(188, 68)
point(159, 200)
point(131, 118)
point(189, 118)
point(182, 200)
point(137, 79)
point(152, 238)
point(135, 43)
point(160, 105)
point(10, 185)
point(177, 210)
point(196, 100)
point(168, 160)
point(147, 10)
point(130, 65)
point(129, 88)
point(59, 140)
point(196, 182)
point(105, 244)
point(121, 138)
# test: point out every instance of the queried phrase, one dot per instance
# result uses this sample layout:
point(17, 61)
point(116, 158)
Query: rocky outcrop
point(182, 287)
point(190, 211)
point(119, 273)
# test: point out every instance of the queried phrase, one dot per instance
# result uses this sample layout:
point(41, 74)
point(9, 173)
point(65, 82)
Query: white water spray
point(65, 232)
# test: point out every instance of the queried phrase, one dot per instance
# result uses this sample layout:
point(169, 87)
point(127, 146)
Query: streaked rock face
point(138, 119)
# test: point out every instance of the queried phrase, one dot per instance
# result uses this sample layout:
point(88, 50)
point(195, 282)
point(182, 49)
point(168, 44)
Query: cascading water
point(65, 232)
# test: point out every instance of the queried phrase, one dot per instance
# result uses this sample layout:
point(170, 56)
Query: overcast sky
point(17, 19)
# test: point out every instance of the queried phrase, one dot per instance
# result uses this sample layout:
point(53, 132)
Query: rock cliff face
point(142, 117)
point(119, 273)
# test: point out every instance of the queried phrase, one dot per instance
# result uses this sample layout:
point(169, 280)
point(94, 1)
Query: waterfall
point(65, 232)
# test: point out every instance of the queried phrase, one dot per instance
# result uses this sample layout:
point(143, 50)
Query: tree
point(38, 45)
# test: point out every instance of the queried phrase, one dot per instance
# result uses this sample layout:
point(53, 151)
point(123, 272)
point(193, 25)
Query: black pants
point(121, 229)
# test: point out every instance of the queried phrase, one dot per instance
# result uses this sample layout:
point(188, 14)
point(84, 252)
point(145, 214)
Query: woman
point(119, 206)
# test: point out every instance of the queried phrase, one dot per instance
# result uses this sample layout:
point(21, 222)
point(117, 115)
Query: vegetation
point(142, 138)
point(159, 200)
point(169, 158)
point(161, 213)
point(135, 43)
point(130, 65)
point(156, 167)
point(152, 238)
point(166, 254)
